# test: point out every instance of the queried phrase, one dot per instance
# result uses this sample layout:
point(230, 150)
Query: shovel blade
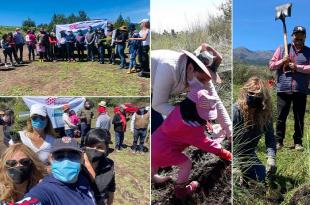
point(283, 11)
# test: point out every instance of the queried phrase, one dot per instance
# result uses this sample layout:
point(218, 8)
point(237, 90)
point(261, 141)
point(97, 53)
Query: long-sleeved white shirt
point(169, 77)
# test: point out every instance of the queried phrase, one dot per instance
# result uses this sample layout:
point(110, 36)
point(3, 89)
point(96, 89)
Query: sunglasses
point(254, 94)
point(71, 155)
point(13, 163)
point(38, 117)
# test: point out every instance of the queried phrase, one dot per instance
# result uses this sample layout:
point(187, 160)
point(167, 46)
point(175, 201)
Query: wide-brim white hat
point(204, 60)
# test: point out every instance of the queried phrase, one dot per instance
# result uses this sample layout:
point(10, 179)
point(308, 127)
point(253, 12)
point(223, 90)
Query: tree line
point(29, 24)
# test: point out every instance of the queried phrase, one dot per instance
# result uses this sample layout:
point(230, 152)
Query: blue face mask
point(38, 124)
point(66, 170)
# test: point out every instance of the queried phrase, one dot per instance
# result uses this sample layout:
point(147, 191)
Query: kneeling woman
point(20, 170)
point(252, 117)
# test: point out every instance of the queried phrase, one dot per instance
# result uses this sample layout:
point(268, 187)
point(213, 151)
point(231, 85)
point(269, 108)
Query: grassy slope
point(293, 167)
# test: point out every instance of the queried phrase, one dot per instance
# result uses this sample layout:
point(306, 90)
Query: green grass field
point(72, 79)
point(293, 167)
point(132, 170)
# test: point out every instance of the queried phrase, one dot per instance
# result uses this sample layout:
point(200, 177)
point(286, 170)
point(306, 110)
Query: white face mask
point(195, 83)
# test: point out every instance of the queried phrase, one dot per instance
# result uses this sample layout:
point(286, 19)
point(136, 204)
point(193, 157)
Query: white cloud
point(181, 14)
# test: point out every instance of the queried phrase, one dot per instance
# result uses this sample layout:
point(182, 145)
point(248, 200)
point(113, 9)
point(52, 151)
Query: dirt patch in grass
point(213, 175)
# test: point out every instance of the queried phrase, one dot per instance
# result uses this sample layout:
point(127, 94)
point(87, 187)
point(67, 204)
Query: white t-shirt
point(42, 151)
point(146, 42)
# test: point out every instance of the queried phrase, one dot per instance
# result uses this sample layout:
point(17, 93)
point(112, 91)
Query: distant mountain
point(245, 55)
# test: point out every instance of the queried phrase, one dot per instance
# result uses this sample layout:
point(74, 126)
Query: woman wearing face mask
point(65, 184)
point(20, 170)
point(252, 117)
point(99, 166)
point(39, 133)
point(173, 72)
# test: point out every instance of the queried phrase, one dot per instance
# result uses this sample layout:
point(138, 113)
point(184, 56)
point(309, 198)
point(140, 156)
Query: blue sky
point(254, 25)
point(13, 13)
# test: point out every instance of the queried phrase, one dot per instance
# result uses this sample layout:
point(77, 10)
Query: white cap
point(38, 109)
point(102, 104)
point(144, 20)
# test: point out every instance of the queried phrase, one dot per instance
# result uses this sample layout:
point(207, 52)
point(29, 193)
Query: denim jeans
point(139, 134)
point(80, 51)
point(120, 51)
point(299, 108)
point(70, 51)
point(91, 52)
point(69, 133)
point(101, 53)
point(256, 170)
point(52, 52)
point(31, 52)
point(63, 51)
point(84, 130)
point(119, 139)
point(20, 48)
point(132, 62)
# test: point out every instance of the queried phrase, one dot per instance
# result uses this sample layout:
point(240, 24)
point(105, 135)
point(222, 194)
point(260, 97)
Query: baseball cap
point(38, 109)
point(144, 20)
point(65, 143)
point(299, 29)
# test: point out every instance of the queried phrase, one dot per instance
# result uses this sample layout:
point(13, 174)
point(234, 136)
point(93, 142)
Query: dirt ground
point(68, 79)
point(213, 175)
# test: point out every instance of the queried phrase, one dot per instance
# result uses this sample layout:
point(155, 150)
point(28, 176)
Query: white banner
point(54, 106)
point(82, 25)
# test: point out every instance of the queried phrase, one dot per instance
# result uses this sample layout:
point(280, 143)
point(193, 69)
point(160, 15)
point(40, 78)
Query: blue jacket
point(52, 191)
point(248, 138)
point(134, 45)
point(18, 38)
point(294, 81)
point(70, 38)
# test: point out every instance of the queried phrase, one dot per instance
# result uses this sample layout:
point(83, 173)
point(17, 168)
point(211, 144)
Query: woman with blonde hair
point(39, 133)
point(20, 170)
point(252, 117)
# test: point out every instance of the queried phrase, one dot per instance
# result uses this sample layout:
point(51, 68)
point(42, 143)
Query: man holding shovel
point(293, 74)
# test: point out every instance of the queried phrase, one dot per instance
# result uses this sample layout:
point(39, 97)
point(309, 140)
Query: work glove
point(271, 165)
point(225, 154)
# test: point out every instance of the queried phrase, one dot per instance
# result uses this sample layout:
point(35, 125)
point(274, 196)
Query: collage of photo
point(155, 102)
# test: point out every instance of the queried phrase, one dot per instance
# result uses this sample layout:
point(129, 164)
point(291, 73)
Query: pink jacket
point(173, 136)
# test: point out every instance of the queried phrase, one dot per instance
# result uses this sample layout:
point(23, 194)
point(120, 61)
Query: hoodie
point(52, 191)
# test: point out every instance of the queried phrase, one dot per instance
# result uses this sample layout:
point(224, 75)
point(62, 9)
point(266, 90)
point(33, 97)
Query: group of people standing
point(78, 124)
point(99, 43)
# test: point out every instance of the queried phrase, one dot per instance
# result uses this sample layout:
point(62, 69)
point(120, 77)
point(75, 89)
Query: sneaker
point(182, 191)
point(133, 70)
point(279, 145)
point(299, 147)
point(128, 72)
point(6, 65)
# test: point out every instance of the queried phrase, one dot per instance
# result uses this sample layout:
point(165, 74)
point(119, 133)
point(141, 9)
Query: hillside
point(245, 55)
